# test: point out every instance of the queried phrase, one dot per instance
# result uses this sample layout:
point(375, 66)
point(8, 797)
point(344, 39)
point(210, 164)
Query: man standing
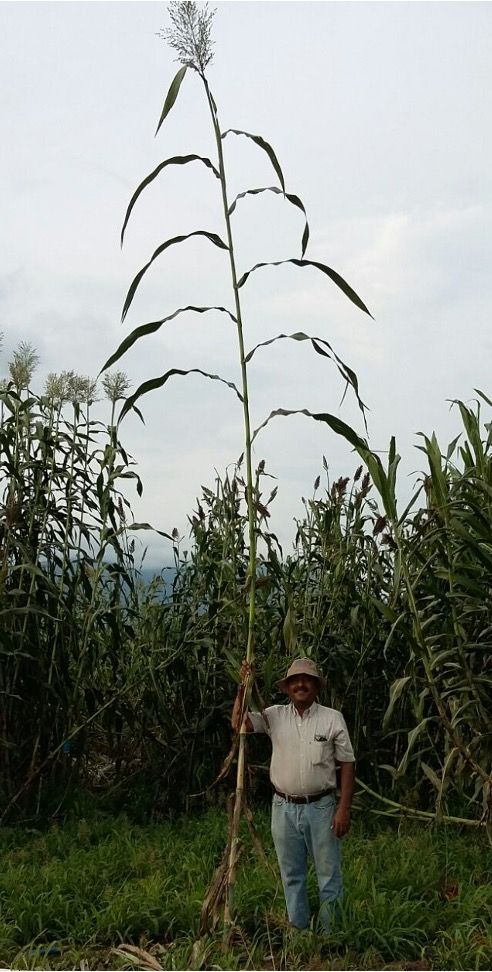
point(308, 741)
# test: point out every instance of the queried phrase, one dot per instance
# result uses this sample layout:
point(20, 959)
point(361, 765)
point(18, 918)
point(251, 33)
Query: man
point(308, 741)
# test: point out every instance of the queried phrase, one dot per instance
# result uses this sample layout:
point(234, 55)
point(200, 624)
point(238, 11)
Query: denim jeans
point(299, 829)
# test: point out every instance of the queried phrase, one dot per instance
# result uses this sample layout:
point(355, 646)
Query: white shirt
point(304, 748)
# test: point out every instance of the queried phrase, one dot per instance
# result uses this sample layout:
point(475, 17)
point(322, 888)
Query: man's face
point(302, 690)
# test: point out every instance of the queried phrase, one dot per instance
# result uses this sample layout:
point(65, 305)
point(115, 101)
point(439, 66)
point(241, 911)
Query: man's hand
point(244, 672)
point(340, 824)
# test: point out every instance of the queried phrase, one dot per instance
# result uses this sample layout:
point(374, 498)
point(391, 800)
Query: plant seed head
point(24, 362)
point(190, 34)
point(379, 525)
point(115, 385)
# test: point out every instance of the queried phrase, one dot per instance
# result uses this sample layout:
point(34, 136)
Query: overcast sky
point(380, 116)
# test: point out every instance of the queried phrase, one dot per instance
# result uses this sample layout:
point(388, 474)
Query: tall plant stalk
point(251, 581)
point(190, 37)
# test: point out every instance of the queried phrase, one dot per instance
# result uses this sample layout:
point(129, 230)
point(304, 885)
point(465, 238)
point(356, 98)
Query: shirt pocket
point(321, 751)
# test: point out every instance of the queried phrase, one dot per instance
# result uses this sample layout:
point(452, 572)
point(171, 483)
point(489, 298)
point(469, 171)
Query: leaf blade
point(175, 160)
point(293, 199)
point(263, 144)
point(396, 690)
point(154, 383)
point(144, 329)
point(334, 276)
point(371, 459)
point(171, 96)
point(216, 240)
point(318, 344)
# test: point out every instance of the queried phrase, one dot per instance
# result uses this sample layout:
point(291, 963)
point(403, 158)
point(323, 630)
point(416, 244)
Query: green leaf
point(384, 609)
point(171, 95)
point(137, 410)
point(289, 631)
point(148, 526)
point(372, 461)
point(483, 396)
point(431, 775)
point(412, 737)
point(176, 160)
point(258, 140)
point(449, 761)
point(388, 768)
point(216, 240)
point(289, 196)
point(337, 279)
point(393, 462)
point(452, 446)
point(154, 326)
point(318, 344)
point(395, 692)
point(155, 383)
point(471, 421)
point(438, 477)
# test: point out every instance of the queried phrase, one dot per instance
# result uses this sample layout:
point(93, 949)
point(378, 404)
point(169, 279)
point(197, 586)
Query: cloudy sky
point(380, 116)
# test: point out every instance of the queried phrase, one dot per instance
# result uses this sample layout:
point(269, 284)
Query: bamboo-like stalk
point(236, 817)
point(401, 810)
point(200, 57)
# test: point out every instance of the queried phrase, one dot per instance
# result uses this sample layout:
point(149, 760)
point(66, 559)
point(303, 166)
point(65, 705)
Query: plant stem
point(399, 809)
point(229, 905)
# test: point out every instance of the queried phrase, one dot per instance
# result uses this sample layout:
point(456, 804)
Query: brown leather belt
point(305, 799)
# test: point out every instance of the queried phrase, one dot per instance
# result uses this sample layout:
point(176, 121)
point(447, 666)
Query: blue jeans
point(299, 829)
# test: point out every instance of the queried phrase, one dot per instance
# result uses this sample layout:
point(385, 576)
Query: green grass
point(72, 895)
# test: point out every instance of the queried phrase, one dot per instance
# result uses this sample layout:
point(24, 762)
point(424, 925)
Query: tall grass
point(64, 547)
point(126, 689)
point(440, 603)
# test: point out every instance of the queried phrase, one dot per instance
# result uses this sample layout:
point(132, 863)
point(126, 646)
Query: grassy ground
point(73, 896)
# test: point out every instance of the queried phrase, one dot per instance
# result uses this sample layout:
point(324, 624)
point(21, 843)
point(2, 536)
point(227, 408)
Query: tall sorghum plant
point(440, 600)
point(62, 539)
point(190, 37)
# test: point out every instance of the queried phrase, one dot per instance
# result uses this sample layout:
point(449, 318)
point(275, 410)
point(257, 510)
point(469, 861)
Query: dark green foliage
point(126, 689)
point(66, 579)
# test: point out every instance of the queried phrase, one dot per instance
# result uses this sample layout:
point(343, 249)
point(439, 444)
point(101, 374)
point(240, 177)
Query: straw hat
point(302, 666)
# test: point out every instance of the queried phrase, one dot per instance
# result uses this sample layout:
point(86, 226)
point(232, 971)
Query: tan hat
point(302, 666)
